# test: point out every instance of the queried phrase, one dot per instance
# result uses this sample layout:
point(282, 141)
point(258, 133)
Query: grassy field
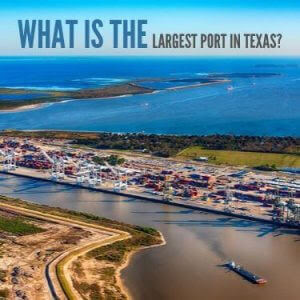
point(18, 226)
point(165, 145)
point(239, 158)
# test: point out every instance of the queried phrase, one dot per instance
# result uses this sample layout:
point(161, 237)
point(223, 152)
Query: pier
point(179, 203)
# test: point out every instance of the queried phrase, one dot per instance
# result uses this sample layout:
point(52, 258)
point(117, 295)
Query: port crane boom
point(58, 169)
point(10, 162)
point(119, 185)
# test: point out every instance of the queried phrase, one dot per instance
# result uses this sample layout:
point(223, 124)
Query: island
point(18, 99)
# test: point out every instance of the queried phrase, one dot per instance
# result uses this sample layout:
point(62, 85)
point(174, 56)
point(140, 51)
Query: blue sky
point(164, 16)
point(203, 4)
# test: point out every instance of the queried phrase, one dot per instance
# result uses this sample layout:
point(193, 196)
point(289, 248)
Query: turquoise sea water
point(257, 105)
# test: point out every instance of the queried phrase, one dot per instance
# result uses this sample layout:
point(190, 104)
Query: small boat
point(230, 88)
point(244, 273)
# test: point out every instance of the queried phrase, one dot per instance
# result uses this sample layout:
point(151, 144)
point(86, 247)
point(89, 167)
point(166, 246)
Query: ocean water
point(257, 105)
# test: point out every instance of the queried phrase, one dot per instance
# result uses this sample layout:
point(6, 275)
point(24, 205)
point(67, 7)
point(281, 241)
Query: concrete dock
point(179, 203)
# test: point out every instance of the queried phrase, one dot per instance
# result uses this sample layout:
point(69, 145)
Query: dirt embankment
point(24, 256)
point(83, 253)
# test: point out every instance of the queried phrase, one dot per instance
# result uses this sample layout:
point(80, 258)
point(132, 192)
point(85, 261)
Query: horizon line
point(153, 55)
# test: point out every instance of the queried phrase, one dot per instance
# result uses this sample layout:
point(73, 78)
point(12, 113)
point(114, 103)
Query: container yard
point(242, 192)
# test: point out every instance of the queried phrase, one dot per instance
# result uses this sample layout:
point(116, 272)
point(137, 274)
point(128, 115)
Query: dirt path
point(64, 263)
point(59, 266)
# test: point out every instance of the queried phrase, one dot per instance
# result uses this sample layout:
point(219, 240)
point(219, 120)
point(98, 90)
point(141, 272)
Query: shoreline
point(182, 87)
point(125, 290)
point(44, 104)
point(51, 130)
point(152, 198)
point(52, 279)
point(24, 108)
point(57, 272)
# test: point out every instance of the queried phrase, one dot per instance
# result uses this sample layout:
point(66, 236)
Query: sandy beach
point(112, 92)
point(198, 84)
point(23, 108)
point(126, 263)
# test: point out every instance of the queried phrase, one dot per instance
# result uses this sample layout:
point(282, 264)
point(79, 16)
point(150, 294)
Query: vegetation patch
point(112, 160)
point(4, 293)
point(34, 96)
point(266, 167)
point(239, 158)
point(117, 251)
point(77, 267)
point(107, 274)
point(18, 226)
point(110, 256)
point(3, 275)
point(168, 145)
point(113, 255)
point(88, 291)
point(76, 215)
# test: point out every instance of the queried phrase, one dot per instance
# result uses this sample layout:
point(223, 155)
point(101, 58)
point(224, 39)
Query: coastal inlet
point(260, 99)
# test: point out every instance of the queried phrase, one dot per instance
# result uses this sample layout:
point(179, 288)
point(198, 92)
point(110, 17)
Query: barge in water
point(244, 273)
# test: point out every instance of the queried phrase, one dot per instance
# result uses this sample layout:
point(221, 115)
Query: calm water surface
point(256, 106)
point(187, 267)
